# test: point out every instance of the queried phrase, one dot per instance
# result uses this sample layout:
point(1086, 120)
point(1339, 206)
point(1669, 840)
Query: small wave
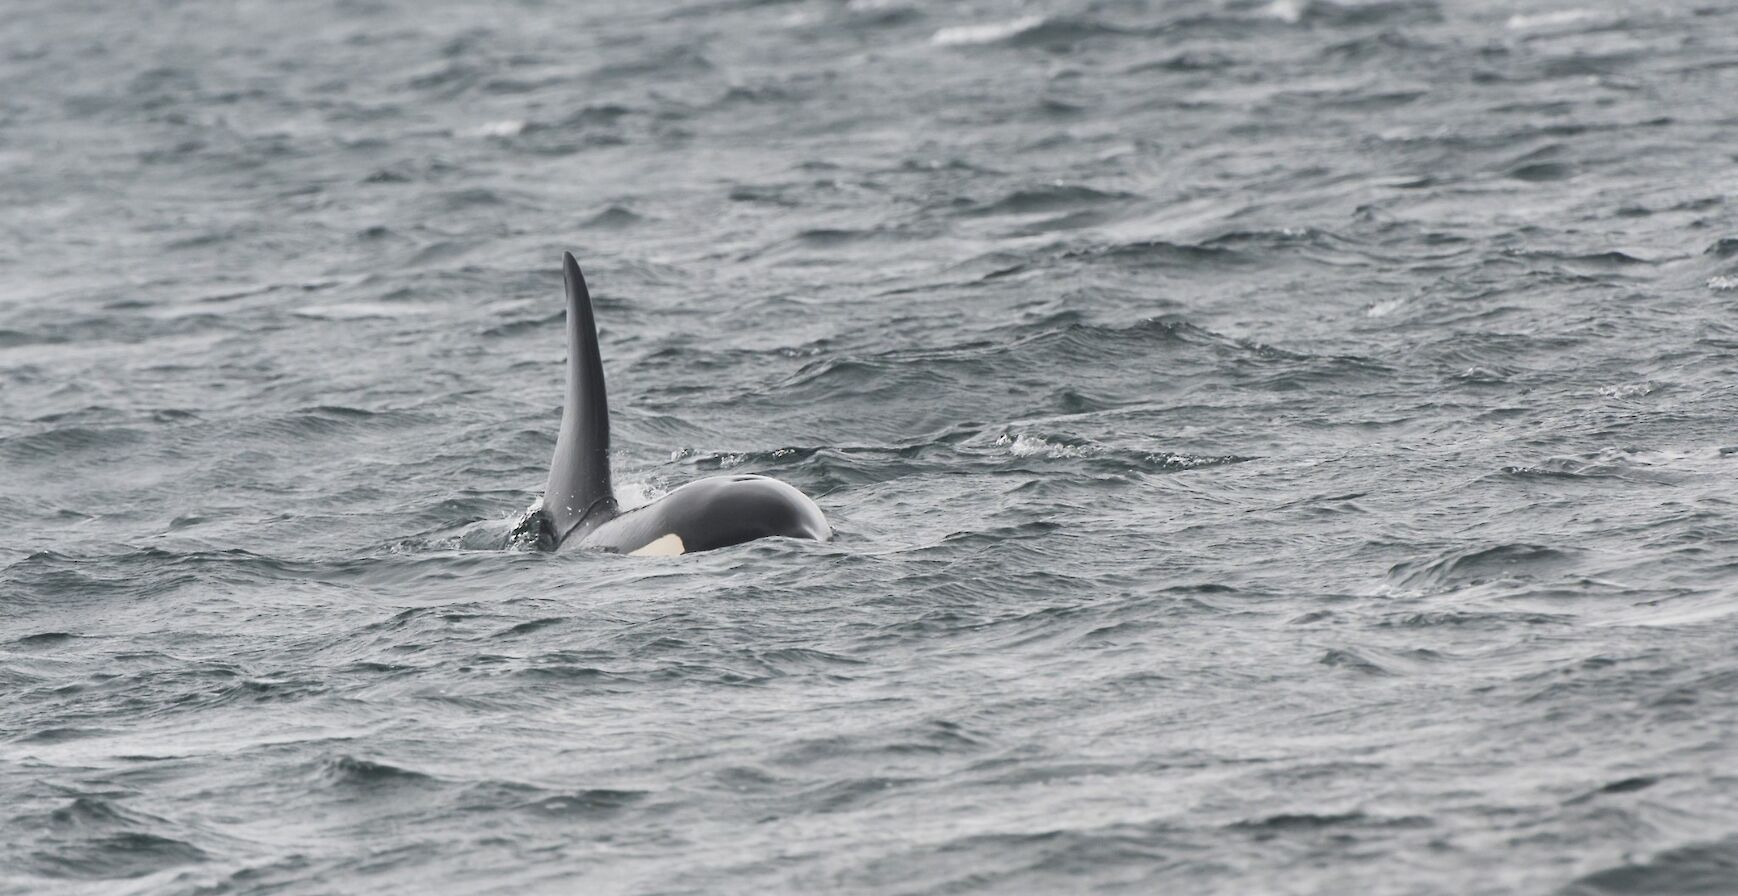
point(769, 195)
point(90, 812)
point(91, 838)
point(1301, 820)
point(450, 80)
point(526, 628)
point(509, 127)
point(1622, 785)
point(1386, 307)
point(1064, 33)
point(804, 246)
point(1314, 244)
point(362, 311)
point(1186, 61)
point(1057, 196)
point(1348, 14)
point(58, 444)
point(586, 803)
point(883, 12)
point(613, 218)
point(819, 469)
point(1629, 390)
point(16, 338)
point(1064, 343)
point(567, 672)
point(128, 854)
point(389, 176)
point(1462, 569)
point(796, 660)
point(514, 532)
point(831, 236)
point(1161, 253)
point(1621, 464)
point(638, 491)
point(44, 639)
point(1381, 12)
point(967, 35)
point(1541, 172)
point(1708, 868)
point(1289, 11)
point(1458, 618)
point(457, 200)
point(1033, 446)
point(61, 735)
point(1554, 19)
point(838, 796)
point(348, 771)
point(1027, 445)
point(1725, 247)
point(755, 95)
point(1523, 471)
point(603, 115)
point(526, 325)
point(326, 420)
point(1372, 46)
point(1353, 660)
point(673, 62)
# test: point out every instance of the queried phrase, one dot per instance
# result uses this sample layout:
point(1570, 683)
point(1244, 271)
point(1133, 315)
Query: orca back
point(579, 504)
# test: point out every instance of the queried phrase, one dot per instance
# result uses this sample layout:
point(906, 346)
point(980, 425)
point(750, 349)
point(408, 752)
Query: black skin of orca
point(579, 505)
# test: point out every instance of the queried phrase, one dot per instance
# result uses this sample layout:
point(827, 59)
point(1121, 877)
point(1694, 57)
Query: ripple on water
point(96, 839)
point(1459, 569)
point(1704, 867)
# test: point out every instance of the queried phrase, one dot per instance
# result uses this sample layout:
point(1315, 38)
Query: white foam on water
point(1385, 307)
point(962, 35)
point(1627, 390)
point(1524, 22)
point(510, 127)
point(1289, 11)
point(639, 492)
point(1036, 446)
point(360, 310)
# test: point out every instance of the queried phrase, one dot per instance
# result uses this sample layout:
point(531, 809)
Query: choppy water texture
point(1276, 447)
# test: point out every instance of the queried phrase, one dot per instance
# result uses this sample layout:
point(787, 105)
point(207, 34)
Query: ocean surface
point(1274, 447)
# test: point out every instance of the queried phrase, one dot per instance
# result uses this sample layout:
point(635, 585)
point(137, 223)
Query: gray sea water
point(1275, 447)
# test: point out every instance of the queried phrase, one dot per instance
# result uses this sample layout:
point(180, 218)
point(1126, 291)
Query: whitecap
point(1523, 22)
point(1036, 446)
point(360, 310)
point(1627, 390)
point(1385, 307)
point(511, 127)
point(1288, 11)
point(638, 492)
point(959, 35)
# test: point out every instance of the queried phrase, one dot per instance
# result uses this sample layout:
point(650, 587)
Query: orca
point(579, 504)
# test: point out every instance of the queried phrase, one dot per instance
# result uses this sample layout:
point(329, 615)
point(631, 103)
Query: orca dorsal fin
point(578, 493)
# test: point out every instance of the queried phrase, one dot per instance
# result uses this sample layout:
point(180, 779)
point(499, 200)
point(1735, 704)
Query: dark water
point(1274, 447)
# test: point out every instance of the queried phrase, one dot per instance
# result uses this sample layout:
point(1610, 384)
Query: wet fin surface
point(578, 492)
